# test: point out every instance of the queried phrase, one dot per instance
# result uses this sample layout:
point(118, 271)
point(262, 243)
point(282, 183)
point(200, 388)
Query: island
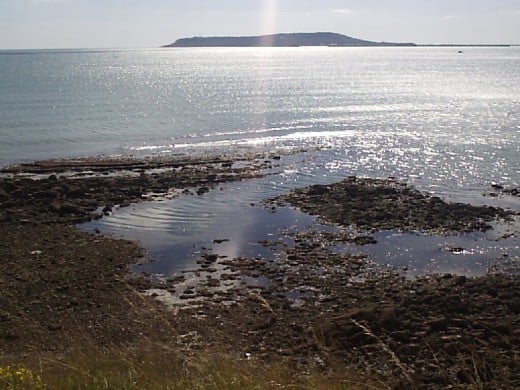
point(281, 40)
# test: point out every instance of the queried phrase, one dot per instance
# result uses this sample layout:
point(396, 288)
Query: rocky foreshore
point(311, 307)
point(60, 285)
point(74, 191)
point(375, 204)
point(314, 306)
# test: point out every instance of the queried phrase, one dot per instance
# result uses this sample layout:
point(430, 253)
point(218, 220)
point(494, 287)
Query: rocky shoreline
point(374, 204)
point(311, 306)
point(61, 285)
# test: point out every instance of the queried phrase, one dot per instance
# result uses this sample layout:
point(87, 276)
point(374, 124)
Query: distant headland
point(281, 40)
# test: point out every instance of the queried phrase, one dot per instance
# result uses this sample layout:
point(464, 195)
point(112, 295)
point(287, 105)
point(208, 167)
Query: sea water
point(447, 122)
point(409, 111)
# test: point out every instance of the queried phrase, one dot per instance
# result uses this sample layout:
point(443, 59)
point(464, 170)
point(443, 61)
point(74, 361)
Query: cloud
point(343, 11)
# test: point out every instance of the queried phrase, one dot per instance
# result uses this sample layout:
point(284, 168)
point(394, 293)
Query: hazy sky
point(151, 23)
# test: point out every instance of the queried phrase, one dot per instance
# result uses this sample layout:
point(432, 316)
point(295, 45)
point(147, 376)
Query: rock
point(69, 208)
point(9, 335)
point(220, 241)
point(52, 177)
point(202, 190)
point(107, 210)
point(504, 328)
point(54, 327)
point(49, 194)
point(318, 189)
point(364, 240)
point(213, 283)
point(465, 377)
point(454, 249)
point(267, 324)
point(211, 257)
point(439, 324)
point(389, 319)
point(514, 306)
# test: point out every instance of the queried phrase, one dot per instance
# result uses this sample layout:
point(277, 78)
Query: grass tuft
point(159, 367)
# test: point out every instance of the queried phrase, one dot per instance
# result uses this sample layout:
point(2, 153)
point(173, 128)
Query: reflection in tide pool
point(468, 254)
point(225, 221)
point(231, 221)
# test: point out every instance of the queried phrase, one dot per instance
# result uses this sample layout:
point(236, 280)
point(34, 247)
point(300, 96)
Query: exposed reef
point(374, 204)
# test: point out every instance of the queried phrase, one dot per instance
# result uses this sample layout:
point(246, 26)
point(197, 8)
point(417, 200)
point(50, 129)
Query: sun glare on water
point(269, 17)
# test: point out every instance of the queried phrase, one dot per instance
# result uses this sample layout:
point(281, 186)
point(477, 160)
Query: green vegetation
point(19, 377)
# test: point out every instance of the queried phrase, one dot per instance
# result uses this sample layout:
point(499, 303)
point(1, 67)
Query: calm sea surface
point(406, 111)
point(445, 121)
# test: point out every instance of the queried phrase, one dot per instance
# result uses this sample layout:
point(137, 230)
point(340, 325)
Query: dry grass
point(159, 367)
point(387, 349)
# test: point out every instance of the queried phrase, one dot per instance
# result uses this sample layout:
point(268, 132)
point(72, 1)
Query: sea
point(444, 119)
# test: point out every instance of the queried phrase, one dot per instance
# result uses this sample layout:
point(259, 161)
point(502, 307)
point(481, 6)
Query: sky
point(39, 24)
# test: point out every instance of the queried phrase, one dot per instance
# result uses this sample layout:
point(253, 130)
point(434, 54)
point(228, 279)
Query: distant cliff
point(281, 40)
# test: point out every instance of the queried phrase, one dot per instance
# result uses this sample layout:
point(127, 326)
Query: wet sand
point(310, 306)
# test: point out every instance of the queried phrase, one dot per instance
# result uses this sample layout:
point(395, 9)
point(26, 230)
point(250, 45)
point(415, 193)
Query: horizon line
point(248, 47)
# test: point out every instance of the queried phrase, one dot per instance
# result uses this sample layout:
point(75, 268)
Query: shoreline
point(55, 273)
point(67, 286)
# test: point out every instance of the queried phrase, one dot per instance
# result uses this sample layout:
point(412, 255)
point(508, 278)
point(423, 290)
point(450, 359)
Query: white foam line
point(260, 131)
point(307, 135)
point(271, 139)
